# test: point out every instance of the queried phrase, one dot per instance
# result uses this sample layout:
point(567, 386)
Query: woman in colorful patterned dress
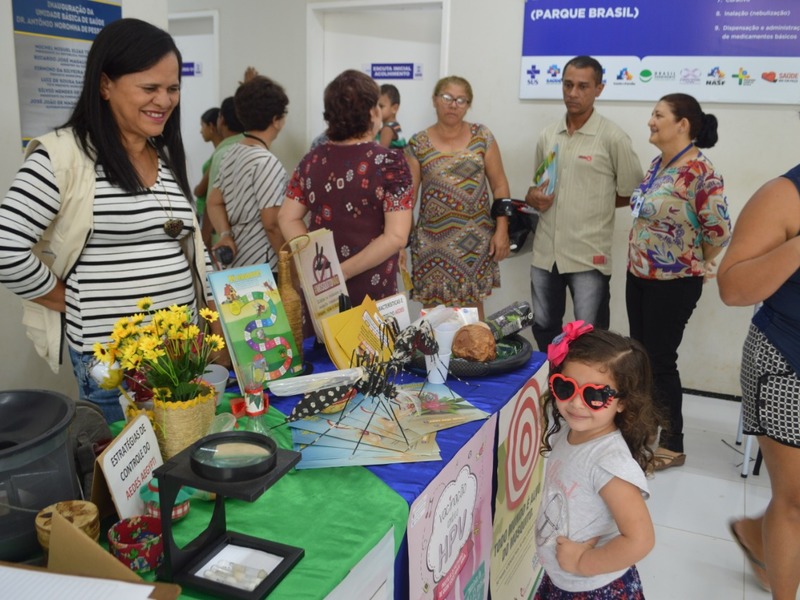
point(680, 224)
point(356, 188)
point(456, 245)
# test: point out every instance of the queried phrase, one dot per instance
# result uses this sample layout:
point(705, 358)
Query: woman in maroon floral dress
point(356, 188)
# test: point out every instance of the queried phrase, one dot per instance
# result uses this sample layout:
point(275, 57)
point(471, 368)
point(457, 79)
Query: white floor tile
point(695, 557)
point(684, 500)
point(690, 566)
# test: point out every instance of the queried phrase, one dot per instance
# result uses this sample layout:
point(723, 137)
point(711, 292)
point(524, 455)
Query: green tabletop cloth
point(336, 515)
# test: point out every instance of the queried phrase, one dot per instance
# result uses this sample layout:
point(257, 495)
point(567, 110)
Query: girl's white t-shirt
point(572, 505)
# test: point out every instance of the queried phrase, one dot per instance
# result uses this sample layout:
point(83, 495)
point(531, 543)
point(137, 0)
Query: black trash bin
point(36, 465)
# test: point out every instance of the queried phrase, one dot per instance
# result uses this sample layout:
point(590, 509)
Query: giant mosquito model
point(373, 377)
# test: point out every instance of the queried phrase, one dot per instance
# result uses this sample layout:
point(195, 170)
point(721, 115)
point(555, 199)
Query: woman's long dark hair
point(122, 47)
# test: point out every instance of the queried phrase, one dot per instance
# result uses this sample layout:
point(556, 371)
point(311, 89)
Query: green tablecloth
point(337, 515)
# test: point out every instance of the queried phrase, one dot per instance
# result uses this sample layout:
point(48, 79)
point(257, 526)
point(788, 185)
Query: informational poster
point(51, 42)
point(516, 571)
point(743, 51)
point(450, 526)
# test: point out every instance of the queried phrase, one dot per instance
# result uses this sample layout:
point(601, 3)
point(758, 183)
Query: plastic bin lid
point(30, 417)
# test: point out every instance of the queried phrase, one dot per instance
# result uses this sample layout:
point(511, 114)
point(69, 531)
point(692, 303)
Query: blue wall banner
point(743, 51)
point(51, 42)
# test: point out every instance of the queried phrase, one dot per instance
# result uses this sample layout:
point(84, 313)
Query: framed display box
point(236, 464)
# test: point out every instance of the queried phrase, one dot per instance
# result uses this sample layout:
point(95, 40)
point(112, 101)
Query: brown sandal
point(662, 460)
point(759, 568)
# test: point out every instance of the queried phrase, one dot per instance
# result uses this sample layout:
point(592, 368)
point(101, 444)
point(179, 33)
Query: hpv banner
point(742, 51)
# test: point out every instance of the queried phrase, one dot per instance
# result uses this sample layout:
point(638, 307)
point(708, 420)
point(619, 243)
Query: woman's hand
point(402, 259)
point(500, 245)
point(227, 241)
point(709, 270)
point(568, 553)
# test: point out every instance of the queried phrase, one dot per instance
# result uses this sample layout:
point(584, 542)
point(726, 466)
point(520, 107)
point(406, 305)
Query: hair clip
point(557, 350)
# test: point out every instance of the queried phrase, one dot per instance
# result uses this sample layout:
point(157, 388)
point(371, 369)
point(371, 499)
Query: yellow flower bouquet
point(166, 355)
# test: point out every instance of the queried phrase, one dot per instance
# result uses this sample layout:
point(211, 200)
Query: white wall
point(756, 143)
point(21, 366)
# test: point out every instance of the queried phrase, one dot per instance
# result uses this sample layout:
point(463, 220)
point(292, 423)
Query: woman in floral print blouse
point(680, 224)
point(356, 188)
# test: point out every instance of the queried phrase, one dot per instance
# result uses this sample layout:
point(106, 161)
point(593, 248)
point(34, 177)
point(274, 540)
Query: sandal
point(759, 568)
point(662, 460)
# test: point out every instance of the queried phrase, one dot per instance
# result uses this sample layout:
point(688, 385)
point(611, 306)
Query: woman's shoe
point(759, 568)
point(664, 459)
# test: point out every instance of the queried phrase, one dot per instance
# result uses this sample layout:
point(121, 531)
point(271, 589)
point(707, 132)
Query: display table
point(339, 514)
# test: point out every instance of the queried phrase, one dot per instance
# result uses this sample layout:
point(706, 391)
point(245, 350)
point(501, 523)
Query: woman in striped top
point(117, 170)
point(251, 183)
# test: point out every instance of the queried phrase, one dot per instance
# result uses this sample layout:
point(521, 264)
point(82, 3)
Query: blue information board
point(716, 50)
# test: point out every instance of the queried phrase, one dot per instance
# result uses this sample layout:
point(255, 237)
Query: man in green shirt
point(597, 172)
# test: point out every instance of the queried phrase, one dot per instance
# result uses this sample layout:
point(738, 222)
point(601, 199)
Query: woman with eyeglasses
point(456, 245)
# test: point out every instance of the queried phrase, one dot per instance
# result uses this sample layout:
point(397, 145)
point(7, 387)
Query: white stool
point(748, 444)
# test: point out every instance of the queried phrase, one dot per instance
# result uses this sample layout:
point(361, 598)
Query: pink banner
point(450, 526)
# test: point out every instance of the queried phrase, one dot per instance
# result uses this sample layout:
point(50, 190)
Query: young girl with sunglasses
point(593, 524)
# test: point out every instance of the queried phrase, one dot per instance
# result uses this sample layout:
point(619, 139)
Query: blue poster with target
point(254, 321)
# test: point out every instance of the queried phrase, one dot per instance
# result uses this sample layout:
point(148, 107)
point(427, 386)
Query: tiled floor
point(695, 557)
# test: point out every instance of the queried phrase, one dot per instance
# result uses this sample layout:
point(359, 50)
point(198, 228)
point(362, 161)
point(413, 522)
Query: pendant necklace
point(256, 138)
point(172, 226)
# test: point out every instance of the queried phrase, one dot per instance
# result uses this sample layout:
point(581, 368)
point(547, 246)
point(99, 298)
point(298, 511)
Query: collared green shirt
point(595, 164)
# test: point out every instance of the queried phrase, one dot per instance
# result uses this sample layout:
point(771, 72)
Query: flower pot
point(179, 424)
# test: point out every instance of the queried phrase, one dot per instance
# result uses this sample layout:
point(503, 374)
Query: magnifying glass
point(233, 456)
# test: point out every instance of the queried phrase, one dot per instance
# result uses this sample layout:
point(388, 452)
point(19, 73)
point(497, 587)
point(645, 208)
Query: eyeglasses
point(594, 395)
point(448, 99)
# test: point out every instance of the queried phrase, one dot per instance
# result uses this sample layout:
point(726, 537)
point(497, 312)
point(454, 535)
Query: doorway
point(197, 36)
point(360, 35)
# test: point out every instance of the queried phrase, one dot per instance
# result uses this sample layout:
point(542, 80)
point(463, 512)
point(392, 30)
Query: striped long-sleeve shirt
point(128, 255)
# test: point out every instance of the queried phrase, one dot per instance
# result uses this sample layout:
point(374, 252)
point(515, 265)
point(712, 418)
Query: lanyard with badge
point(637, 199)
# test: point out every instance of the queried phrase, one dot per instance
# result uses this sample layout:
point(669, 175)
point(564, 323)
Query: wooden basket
point(84, 515)
point(292, 303)
point(180, 424)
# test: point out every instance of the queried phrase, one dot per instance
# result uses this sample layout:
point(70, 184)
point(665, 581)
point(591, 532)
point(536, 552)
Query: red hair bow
point(558, 349)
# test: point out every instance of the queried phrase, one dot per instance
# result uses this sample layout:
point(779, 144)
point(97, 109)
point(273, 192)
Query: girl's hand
point(568, 553)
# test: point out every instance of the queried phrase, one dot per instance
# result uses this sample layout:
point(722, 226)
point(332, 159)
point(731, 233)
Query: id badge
point(637, 200)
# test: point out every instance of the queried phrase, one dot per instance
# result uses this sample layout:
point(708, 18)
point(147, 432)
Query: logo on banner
point(715, 77)
point(532, 73)
point(646, 75)
point(624, 77)
point(553, 74)
point(773, 77)
point(690, 75)
point(664, 75)
point(744, 77)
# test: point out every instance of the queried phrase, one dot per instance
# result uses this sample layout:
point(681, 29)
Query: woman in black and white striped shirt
point(110, 190)
point(251, 183)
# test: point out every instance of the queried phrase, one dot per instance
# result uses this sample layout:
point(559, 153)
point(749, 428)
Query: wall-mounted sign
point(51, 41)
point(394, 70)
point(718, 51)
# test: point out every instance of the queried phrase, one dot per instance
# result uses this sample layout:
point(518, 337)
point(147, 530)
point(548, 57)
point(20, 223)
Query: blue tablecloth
point(409, 480)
